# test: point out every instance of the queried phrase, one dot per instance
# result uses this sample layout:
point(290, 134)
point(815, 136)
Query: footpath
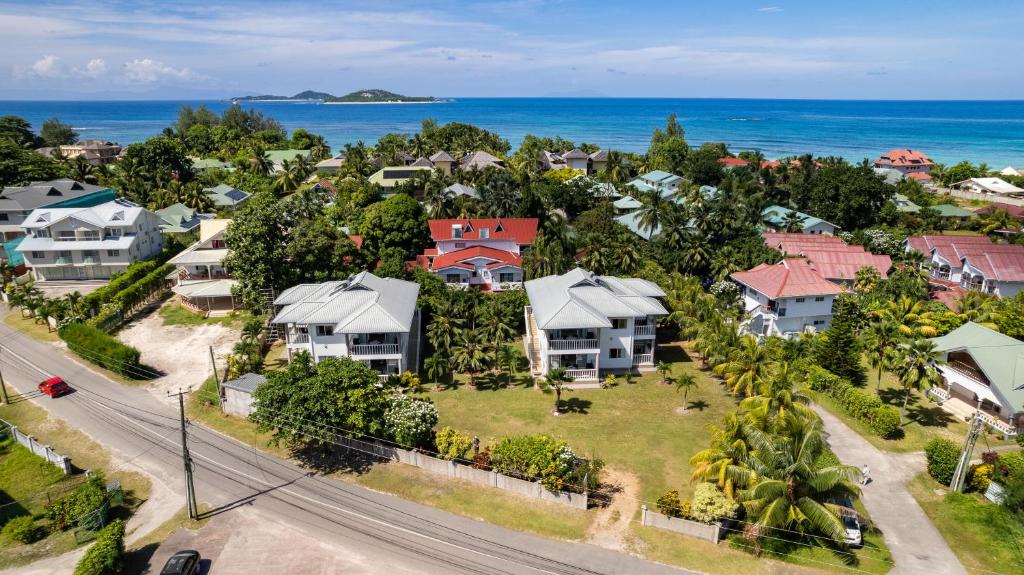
point(917, 547)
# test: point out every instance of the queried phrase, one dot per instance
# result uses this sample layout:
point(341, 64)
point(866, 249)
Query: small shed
point(236, 394)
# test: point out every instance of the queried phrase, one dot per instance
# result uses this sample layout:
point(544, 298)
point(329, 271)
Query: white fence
point(453, 470)
point(644, 329)
point(375, 349)
point(572, 344)
point(643, 359)
point(44, 451)
point(578, 374)
point(708, 532)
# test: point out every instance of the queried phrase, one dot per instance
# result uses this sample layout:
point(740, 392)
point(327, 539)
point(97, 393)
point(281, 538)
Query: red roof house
point(482, 252)
point(905, 161)
point(733, 162)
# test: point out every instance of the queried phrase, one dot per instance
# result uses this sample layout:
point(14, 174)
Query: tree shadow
point(335, 459)
point(930, 416)
point(576, 405)
point(699, 405)
point(673, 353)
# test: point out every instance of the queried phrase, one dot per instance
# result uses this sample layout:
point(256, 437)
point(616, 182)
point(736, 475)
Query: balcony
point(572, 344)
point(643, 359)
point(643, 329)
point(582, 374)
point(88, 260)
point(375, 349)
point(62, 261)
point(298, 338)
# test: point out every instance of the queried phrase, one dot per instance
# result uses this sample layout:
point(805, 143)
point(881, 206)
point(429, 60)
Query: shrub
point(106, 555)
point(102, 349)
point(669, 504)
point(533, 456)
point(451, 444)
point(85, 499)
point(120, 281)
point(942, 455)
point(979, 477)
point(710, 504)
point(1011, 466)
point(885, 421)
point(410, 421)
point(22, 529)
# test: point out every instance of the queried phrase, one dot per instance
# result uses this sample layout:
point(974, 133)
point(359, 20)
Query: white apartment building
point(370, 319)
point(586, 323)
point(787, 298)
point(91, 242)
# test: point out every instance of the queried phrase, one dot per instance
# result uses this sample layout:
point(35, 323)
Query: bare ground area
point(180, 352)
point(610, 528)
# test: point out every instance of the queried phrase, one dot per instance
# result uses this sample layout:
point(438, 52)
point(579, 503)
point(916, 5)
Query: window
point(66, 236)
point(457, 232)
point(618, 323)
point(453, 278)
point(114, 232)
point(820, 298)
point(3, 216)
point(485, 233)
point(460, 245)
point(505, 277)
point(799, 300)
point(616, 353)
point(113, 253)
point(217, 244)
point(325, 330)
point(65, 253)
point(38, 255)
point(819, 322)
point(42, 233)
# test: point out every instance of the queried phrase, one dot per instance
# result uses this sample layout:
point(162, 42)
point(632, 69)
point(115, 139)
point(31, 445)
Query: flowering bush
point(710, 504)
point(882, 242)
point(410, 421)
point(451, 444)
point(553, 462)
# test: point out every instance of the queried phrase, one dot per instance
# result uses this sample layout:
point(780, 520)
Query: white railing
point(938, 393)
point(298, 338)
point(644, 329)
point(383, 376)
point(643, 359)
point(581, 374)
point(572, 344)
point(457, 285)
point(1000, 426)
point(375, 349)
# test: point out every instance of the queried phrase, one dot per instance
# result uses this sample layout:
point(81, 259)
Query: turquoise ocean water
point(949, 131)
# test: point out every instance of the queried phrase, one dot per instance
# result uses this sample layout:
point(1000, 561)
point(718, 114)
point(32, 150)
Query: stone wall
point(712, 533)
point(44, 451)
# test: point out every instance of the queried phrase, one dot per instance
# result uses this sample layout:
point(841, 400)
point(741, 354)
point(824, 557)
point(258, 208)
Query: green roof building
point(903, 204)
point(951, 211)
point(179, 218)
point(226, 197)
point(984, 372)
point(775, 217)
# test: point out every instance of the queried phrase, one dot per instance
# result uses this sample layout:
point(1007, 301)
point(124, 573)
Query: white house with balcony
point(370, 319)
point(973, 262)
point(787, 298)
point(202, 282)
point(999, 273)
point(589, 324)
point(480, 252)
point(983, 374)
point(89, 242)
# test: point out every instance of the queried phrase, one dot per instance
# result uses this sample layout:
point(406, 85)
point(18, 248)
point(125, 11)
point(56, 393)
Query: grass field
point(29, 327)
point(174, 314)
point(985, 537)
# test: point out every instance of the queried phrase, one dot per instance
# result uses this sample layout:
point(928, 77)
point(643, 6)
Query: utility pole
point(213, 364)
point(190, 489)
point(3, 389)
point(964, 465)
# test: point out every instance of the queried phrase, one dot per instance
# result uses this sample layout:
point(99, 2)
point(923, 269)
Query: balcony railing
point(938, 393)
point(375, 349)
point(572, 344)
point(643, 359)
point(61, 260)
point(647, 329)
point(298, 338)
point(383, 376)
point(965, 369)
point(1000, 426)
point(89, 260)
point(581, 374)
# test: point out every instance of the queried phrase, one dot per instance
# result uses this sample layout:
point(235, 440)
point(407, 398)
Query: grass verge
point(29, 327)
point(173, 314)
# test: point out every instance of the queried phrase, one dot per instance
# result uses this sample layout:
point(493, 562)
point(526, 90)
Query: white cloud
point(93, 69)
point(46, 67)
point(770, 9)
point(149, 71)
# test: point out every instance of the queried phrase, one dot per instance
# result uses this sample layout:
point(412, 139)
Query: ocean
point(948, 131)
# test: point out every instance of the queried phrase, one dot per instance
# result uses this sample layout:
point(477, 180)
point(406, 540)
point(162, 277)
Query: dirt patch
point(180, 352)
point(682, 411)
point(610, 528)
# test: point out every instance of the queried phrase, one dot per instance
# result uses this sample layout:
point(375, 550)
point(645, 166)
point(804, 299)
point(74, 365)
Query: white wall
point(505, 245)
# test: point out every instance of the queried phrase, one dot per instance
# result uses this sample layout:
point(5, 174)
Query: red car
point(54, 387)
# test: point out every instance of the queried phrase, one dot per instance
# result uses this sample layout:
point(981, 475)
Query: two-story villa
point(972, 262)
point(787, 298)
point(586, 323)
point(202, 283)
point(482, 252)
point(905, 161)
point(17, 202)
point(89, 243)
point(367, 318)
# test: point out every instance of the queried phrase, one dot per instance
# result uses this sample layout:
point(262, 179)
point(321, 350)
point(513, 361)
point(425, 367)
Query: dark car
point(54, 387)
point(182, 563)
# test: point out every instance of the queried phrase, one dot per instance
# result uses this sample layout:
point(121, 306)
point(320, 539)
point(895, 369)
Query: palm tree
point(910, 316)
point(978, 307)
point(684, 382)
point(495, 328)
point(664, 369)
point(288, 179)
point(443, 329)
point(615, 170)
point(556, 381)
point(437, 366)
point(651, 214)
point(780, 404)
point(194, 197)
point(261, 164)
point(509, 357)
point(76, 305)
point(792, 492)
point(918, 370)
point(999, 219)
point(724, 462)
point(81, 170)
point(746, 368)
point(470, 354)
point(880, 337)
point(866, 279)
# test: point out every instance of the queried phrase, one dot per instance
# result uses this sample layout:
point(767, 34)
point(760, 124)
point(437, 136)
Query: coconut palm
point(724, 462)
point(509, 358)
point(261, 164)
point(289, 178)
point(866, 279)
point(781, 403)
point(495, 328)
point(615, 170)
point(910, 316)
point(918, 370)
point(76, 305)
point(879, 339)
point(81, 170)
point(793, 222)
point(437, 366)
point(978, 307)
point(652, 213)
point(194, 197)
point(470, 353)
point(443, 329)
point(746, 368)
point(684, 382)
point(555, 382)
point(664, 370)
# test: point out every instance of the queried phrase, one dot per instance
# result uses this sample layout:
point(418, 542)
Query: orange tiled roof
point(905, 157)
point(790, 278)
point(521, 230)
point(459, 257)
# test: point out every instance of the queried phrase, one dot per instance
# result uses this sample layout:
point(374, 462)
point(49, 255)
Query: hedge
point(120, 281)
point(101, 349)
point(120, 305)
point(22, 529)
point(106, 556)
point(882, 419)
point(942, 455)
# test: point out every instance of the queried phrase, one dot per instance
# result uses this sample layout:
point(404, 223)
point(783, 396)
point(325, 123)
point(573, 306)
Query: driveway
point(916, 546)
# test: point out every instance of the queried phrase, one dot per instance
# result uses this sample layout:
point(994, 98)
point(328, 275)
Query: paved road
point(916, 546)
point(398, 535)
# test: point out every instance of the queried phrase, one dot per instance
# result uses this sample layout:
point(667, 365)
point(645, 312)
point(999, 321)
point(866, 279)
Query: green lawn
point(276, 358)
point(173, 314)
point(29, 327)
point(986, 537)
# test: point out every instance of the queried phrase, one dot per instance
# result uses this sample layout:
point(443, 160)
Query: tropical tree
point(781, 403)
point(653, 210)
point(508, 358)
point(470, 353)
point(793, 222)
point(911, 317)
point(444, 328)
point(555, 382)
point(495, 328)
point(918, 370)
point(684, 382)
point(437, 366)
point(746, 367)
point(979, 307)
point(664, 369)
point(724, 462)
point(879, 339)
point(289, 178)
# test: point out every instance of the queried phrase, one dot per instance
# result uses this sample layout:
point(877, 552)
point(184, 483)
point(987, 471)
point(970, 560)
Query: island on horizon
point(372, 96)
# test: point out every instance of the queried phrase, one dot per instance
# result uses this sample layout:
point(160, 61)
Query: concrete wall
point(453, 470)
point(44, 451)
point(686, 527)
point(236, 402)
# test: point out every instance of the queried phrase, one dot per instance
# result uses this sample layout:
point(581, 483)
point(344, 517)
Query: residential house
point(996, 186)
point(793, 243)
point(443, 161)
point(482, 252)
point(922, 178)
point(96, 152)
point(17, 202)
point(370, 319)
point(457, 189)
point(390, 177)
point(730, 163)
point(952, 212)
point(89, 242)
point(830, 256)
point(225, 197)
point(480, 160)
point(905, 161)
point(983, 374)
point(277, 157)
point(903, 204)
point(891, 176)
point(588, 324)
point(330, 165)
point(1012, 171)
point(598, 162)
point(202, 282)
point(179, 219)
point(775, 217)
point(1013, 210)
point(787, 298)
point(996, 272)
point(972, 262)
point(200, 165)
point(665, 183)
point(577, 159)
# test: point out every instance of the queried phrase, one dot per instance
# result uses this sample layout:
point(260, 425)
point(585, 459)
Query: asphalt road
point(402, 536)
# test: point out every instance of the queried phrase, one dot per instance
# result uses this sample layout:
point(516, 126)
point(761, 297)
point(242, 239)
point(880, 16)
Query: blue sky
point(773, 49)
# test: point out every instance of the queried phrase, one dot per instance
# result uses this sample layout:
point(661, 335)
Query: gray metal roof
point(462, 190)
point(580, 298)
point(364, 303)
point(39, 194)
point(442, 156)
point(247, 382)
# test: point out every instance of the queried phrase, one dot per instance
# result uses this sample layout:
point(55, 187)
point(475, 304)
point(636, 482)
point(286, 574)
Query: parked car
point(185, 562)
point(54, 387)
point(851, 522)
